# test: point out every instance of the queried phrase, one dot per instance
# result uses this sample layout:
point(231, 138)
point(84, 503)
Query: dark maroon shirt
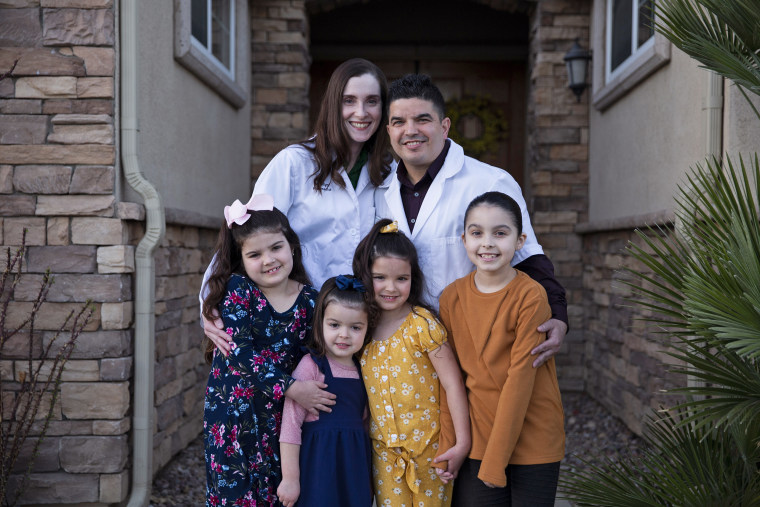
point(412, 194)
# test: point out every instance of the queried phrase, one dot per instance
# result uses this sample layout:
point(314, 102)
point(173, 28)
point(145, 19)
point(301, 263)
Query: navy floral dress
point(245, 394)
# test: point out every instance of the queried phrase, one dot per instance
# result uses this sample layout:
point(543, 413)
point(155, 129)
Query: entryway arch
point(482, 55)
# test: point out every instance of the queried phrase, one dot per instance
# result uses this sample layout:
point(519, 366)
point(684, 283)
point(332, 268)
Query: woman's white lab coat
point(331, 224)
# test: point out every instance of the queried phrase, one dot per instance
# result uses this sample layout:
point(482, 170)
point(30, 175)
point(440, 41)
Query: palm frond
point(729, 391)
point(722, 36)
point(681, 465)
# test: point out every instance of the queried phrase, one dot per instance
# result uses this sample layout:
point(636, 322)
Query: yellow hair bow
point(391, 227)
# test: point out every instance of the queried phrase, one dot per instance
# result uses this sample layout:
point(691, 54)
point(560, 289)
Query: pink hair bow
point(238, 212)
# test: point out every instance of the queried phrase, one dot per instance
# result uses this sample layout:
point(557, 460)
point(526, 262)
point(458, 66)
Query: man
point(429, 189)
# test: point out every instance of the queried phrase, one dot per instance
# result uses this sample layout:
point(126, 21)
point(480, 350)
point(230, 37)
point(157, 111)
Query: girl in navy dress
point(260, 289)
point(326, 460)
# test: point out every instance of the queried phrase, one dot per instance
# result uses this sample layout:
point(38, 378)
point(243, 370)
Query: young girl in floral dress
point(406, 367)
point(260, 289)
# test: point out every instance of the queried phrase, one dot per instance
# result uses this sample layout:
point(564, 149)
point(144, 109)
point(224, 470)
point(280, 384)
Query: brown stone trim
point(663, 217)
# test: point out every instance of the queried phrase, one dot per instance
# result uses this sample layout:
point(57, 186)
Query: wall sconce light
point(576, 60)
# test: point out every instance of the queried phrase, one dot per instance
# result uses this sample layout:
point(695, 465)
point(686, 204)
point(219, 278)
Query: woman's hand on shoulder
point(311, 395)
point(214, 330)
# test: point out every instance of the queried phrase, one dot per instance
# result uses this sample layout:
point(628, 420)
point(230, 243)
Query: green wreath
point(492, 119)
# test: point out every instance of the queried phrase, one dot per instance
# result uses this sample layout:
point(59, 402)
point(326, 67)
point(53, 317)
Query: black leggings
point(527, 485)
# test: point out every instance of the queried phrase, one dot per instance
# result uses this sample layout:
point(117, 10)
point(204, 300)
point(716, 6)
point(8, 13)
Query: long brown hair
point(332, 145)
point(389, 244)
point(229, 259)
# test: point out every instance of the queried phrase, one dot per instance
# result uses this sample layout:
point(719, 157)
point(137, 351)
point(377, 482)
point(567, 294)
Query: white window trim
point(610, 86)
point(198, 59)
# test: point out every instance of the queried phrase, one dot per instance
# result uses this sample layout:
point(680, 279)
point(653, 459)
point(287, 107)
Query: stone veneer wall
point(59, 178)
point(557, 162)
point(624, 362)
point(180, 371)
point(280, 78)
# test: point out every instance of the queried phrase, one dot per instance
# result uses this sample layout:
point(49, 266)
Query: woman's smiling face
point(362, 107)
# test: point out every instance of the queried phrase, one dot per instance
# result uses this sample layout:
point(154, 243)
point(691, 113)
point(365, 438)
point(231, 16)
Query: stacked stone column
point(557, 161)
point(280, 78)
point(57, 180)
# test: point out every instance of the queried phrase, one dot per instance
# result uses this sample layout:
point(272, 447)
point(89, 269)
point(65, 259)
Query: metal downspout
point(144, 339)
point(713, 108)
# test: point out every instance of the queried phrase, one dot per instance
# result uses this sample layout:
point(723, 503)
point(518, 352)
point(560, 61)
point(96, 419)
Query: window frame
point(610, 85)
point(198, 59)
point(635, 48)
point(230, 72)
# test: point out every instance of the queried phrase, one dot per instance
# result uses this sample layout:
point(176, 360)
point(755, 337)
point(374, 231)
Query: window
point(632, 49)
point(208, 36)
point(629, 29)
point(213, 31)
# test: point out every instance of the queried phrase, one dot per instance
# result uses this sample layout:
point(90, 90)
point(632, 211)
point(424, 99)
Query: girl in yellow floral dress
point(407, 367)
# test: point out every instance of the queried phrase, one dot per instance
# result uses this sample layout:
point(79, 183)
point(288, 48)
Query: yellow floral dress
point(403, 391)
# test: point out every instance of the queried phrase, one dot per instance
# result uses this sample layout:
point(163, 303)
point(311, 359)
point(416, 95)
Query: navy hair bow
point(344, 282)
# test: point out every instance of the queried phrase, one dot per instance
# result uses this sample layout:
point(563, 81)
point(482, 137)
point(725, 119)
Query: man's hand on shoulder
point(555, 331)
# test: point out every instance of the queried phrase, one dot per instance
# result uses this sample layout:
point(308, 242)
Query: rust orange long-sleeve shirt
point(515, 410)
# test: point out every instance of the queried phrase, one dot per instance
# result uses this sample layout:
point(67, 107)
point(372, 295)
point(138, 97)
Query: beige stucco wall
point(193, 145)
point(741, 127)
point(641, 146)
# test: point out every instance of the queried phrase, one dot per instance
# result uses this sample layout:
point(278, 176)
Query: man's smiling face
point(417, 133)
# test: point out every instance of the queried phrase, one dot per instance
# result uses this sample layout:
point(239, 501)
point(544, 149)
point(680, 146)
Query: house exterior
point(653, 113)
point(126, 126)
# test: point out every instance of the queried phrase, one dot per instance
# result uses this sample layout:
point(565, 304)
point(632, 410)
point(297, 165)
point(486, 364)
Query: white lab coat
point(329, 225)
point(437, 232)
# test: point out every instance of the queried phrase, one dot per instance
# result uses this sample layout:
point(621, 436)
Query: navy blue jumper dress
point(335, 457)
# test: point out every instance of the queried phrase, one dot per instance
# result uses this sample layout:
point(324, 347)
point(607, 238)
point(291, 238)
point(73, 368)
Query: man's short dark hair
point(417, 86)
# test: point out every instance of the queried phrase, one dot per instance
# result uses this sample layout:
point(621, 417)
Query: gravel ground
point(590, 429)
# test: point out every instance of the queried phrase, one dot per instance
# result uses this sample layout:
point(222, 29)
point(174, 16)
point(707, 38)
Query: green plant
point(704, 295)
point(37, 386)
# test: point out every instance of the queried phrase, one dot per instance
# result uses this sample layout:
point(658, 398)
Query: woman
point(325, 185)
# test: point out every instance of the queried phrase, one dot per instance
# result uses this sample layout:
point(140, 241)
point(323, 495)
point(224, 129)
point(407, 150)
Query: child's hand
point(288, 492)
point(455, 457)
point(444, 475)
point(490, 485)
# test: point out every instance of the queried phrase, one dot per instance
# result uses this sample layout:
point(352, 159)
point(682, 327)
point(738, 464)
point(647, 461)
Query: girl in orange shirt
point(515, 410)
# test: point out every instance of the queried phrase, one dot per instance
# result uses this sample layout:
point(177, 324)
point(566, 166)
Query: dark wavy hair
point(350, 297)
point(228, 257)
point(417, 86)
point(332, 145)
point(389, 244)
point(499, 200)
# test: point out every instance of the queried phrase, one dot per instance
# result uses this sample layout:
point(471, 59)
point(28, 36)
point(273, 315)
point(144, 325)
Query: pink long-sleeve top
point(294, 415)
